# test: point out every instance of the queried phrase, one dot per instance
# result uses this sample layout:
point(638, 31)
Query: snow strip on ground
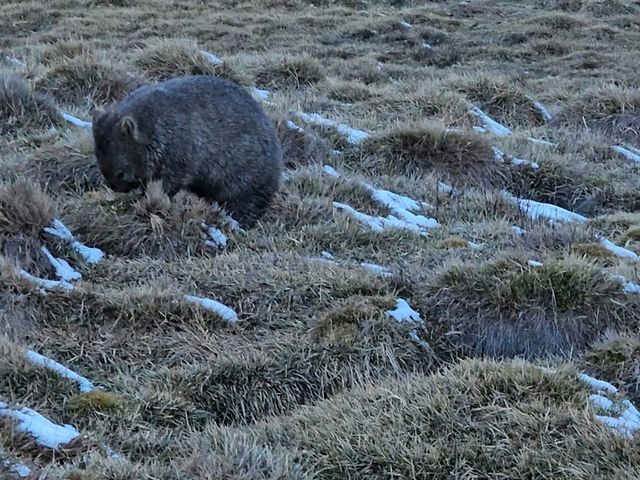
point(225, 312)
point(403, 313)
point(377, 269)
point(537, 210)
point(210, 57)
point(539, 141)
point(500, 157)
point(353, 135)
point(628, 154)
point(46, 362)
point(44, 283)
point(75, 120)
point(489, 123)
point(378, 224)
point(619, 251)
point(327, 255)
point(45, 432)
point(91, 255)
point(62, 267)
point(541, 108)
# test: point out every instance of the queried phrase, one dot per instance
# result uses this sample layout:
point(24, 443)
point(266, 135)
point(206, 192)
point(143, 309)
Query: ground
point(402, 311)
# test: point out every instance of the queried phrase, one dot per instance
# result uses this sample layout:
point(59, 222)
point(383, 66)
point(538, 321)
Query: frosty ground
point(447, 285)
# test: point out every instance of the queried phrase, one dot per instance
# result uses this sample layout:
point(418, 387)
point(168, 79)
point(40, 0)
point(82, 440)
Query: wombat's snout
point(122, 181)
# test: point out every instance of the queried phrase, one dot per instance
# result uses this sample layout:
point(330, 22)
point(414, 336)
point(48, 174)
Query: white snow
point(329, 170)
point(75, 120)
point(627, 418)
point(15, 61)
point(490, 124)
point(539, 141)
point(521, 161)
point(46, 362)
point(597, 385)
point(479, 129)
point(500, 157)
point(377, 269)
point(404, 313)
point(210, 57)
point(541, 108)
point(619, 251)
point(225, 312)
point(59, 229)
point(262, 93)
point(619, 425)
point(292, 126)
point(219, 238)
point(446, 188)
point(326, 254)
point(534, 263)
point(518, 231)
point(537, 210)
point(628, 154)
point(44, 431)
point(630, 287)
point(44, 283)
point(405, 24)
point(378, 224)
point(62, 267)
point(426, 46)
point(353, 135)
point(21, 469)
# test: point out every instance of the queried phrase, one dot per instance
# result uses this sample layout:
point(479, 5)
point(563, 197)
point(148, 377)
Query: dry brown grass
point(316, 379)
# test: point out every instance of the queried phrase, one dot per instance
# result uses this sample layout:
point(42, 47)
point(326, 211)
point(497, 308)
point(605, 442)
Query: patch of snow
point(326, 254)
point(75, 120)
point(225, 312)
point(46, 362)
point(378, 224)
point(498, 154)
point(405, 24)
point(62, 267)
point(262, 93)
point(541, 108)
point(44, 283)
point(619, 251)
point(628, 154)
point(21, 470)
point(286, 176)
point(535, 263)
point(597, 385)
point(292, 126)
point(45, 432)
point(352, 135)
point(210, 57)
point(479, 129)
point(404, 313)
point(426, 46)
point(219, 238)
point(490, 124)
point(446, 188)
point(539, 141)
point(59, 229)
point(537, 210)
point(627, 418)
point(521, 161)
point(630, 287)
point(329, 170)
point(619, 425)
point(377, 269)
point(518, 231)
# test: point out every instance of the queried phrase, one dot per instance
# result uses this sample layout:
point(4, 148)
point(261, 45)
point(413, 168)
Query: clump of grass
point(87, 81)
point(95, 401)
point(500, 98)
point(453, 242)
point(615, 224)
point(164, 59)
point(351, 91)
point(22, 108)
point(290, 72)
point(153, 224)
point(24, 208)
point(66, 50)
point(595, 251)
point(503, 308)
point(616, 358)
point(427, 147)
point(459, 412)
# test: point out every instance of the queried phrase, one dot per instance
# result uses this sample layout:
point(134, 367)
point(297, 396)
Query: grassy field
point(402, 311)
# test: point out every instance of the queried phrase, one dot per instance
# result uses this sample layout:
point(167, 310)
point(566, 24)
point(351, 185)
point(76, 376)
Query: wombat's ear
point(129, 128)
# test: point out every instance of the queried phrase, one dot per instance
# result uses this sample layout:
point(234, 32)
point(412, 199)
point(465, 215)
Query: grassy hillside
point(455, 243)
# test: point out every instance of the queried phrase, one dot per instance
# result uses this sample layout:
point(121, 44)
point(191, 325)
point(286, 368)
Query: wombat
point(199, 133)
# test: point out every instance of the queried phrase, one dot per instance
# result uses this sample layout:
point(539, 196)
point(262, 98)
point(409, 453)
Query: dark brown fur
point(199, 133)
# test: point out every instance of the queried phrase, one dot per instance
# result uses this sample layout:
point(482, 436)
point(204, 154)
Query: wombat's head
point(120, 148)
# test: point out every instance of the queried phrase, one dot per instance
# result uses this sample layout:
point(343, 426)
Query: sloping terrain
point(449, 268)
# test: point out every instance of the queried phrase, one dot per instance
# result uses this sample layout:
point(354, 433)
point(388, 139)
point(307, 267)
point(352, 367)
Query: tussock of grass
point(289, 72)
point(504, 307)
point(300, 148)
point(427, 147)
point(164, 59)
point(66, 50)
point(24, 208)
point(595, 251)
point(22, 108)
point(87, 81)
point(131, 225)
point(460, 415)
point(97, 401)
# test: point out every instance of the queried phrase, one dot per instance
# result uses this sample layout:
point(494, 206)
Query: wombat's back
point(211, 137)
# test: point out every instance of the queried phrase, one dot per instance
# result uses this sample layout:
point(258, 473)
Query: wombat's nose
point(120, 175)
